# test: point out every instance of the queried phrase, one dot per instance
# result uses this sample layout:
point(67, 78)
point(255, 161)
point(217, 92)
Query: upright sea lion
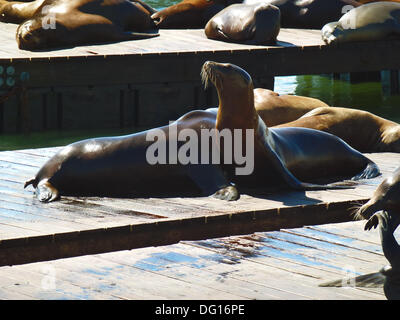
point(276, 109)
point(189, 13)
point(384, 209)
point(245, 23)
point(362, 130)
point(369, 22)
point(309, 14)
point(54, 23)
point(279, 157)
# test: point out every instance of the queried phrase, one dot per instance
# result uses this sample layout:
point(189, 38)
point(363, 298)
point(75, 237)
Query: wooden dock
point(129, 82)
point(289, 264)
point(32, 231)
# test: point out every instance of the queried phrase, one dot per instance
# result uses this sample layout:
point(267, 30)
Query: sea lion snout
point(215, 72)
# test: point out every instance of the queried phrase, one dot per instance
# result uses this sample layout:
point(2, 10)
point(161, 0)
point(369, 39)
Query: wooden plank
point(105, 224)
point(213, 269)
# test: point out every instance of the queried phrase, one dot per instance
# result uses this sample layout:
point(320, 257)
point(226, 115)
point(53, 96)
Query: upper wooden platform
point(33, 231)
point(177, 56)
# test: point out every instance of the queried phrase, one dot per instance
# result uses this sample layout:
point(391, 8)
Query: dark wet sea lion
point(294, 153)
point(280, 157)
point(189, 13)
point(362, 130)
point(55, 23)
point(245, 23)
point(386, 197)
point(369, 22)
point(276, 109)
point(308, 14)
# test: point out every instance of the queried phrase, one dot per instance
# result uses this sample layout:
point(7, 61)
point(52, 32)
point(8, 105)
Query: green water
point(366, 96)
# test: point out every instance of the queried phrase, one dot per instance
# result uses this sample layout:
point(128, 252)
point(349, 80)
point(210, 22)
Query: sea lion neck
point(236, 108)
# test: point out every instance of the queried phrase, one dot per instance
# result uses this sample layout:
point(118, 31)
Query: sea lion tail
point(370, 171)
point(30, 182)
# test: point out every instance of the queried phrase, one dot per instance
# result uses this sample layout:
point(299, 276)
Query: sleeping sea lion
point(362, 130)
point(245, 23)
point(55, 23)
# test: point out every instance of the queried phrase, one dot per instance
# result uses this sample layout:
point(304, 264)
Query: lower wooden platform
point(285, 264)
point(31, 231)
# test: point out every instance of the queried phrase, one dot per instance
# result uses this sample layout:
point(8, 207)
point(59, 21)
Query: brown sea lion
point(276, 109)
point(278, 157)
point(189, 13)
point(54, 23)
point(309, 14)
point(245, 23)
point(369, 22)
point(362, 130)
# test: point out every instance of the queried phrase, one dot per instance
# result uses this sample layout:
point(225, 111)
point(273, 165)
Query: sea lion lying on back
point(135, 164)
point(55, 23)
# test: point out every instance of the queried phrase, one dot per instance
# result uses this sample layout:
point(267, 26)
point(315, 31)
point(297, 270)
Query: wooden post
point(24, 119)
point(390, 82)
point(59, 111)
point(266, 83)
point(122, 109)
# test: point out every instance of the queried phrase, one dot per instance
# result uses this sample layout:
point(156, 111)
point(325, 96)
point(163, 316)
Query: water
point(366, 96)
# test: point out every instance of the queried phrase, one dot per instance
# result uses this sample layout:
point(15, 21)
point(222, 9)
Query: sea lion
point(245, 23)
point(369, 22)
point(383, 209)
point(309, 14)
point(391, 249)
point(189, 13)
point(385, 198)
point(362, 130)
point(276, 109)
point(55, 23)
point(278, 156)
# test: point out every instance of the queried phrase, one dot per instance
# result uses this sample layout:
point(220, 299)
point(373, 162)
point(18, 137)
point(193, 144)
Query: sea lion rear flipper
point(30, 182)
point(370, 171)
point(45, 192)
point(212, 181)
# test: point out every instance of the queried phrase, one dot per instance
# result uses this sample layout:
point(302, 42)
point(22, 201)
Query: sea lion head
point(386, 197)
point(225, 75)
point(35, 34)
point(235, 94)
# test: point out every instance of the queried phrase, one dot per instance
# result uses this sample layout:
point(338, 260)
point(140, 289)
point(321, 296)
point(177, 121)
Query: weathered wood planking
point(33, 231)
point(184, 51)
point(285, 264)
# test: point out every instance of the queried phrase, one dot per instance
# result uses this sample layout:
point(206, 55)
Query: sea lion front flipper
point(212, 181)
point(45, 192)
